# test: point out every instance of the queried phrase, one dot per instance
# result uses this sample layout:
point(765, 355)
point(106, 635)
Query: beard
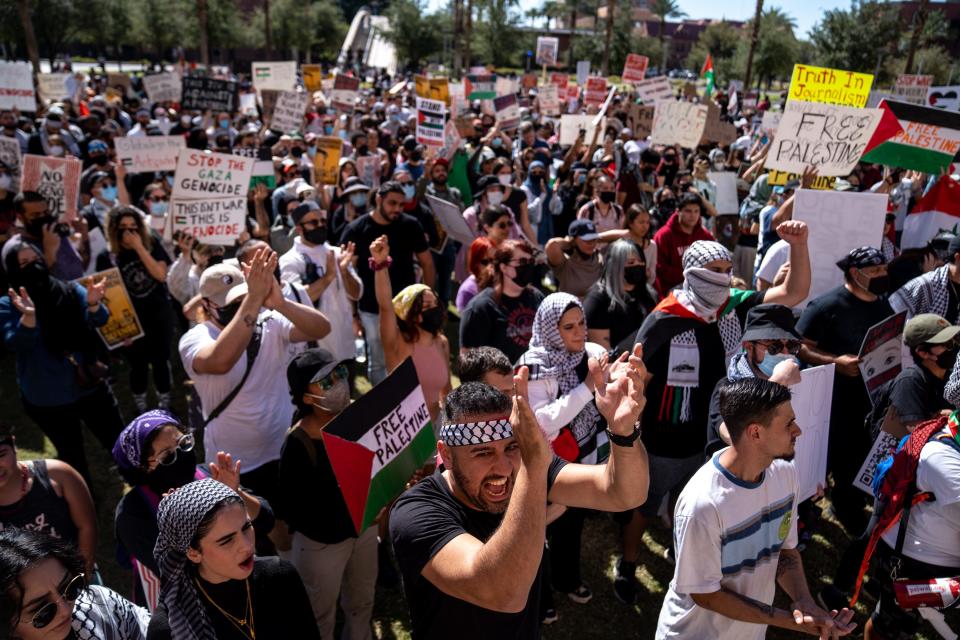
point(474, 494)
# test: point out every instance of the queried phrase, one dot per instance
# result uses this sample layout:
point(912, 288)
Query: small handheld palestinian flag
point(929, 141)
point(937, 211)
point(707, 73)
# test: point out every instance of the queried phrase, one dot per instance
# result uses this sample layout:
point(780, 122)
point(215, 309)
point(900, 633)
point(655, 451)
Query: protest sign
point(928, 139)
point(326, 164)
point(201, 93)
point(549, 100)
point(547, 48)
point(781, 178)
point(883, 445)
point(640, 119)
point(430, 122)
point(368, 170)
point(716, 130)
point(433, 88)
point(281, 76)
point(944, 97)
point(837, 223)
point(830, 86)
point(770, 123)
point(875, 97)
point(449, 216)
point(829, 137)
point(583, 71)
point(248, 103)
point(312, 77)
point(464, 125)
point(343, 96)
point(505, 86)
point(143, 154)
point(480, 87)
point(121, 82)
point(561, 80)
point(57, 180)
point(16, 86)
point(572, 125)
point(209, 198)
point(376, 443)
point(163, 87)
point(508, 113)
point(10, 156)
point(881, 353)
point(458, 100)
point(268, 101)
point(653, 89)
point(634, 68)
point(912, 88)
point(678, 123)
point(596, 91)
point(811, 402)
point(52, 86)
point(123, 325)
point(262, 165)
point(726, 182)
point(529, 81)
point(573, 92)
point(289, 110)
point(451, 140)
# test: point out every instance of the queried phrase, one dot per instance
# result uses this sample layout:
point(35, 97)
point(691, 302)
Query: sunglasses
point(185, 443)
point(45, 614)
point(774, 347)
point(339, 372)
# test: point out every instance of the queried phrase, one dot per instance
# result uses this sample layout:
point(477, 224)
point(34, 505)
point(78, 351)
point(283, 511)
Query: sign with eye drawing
point(881, 353)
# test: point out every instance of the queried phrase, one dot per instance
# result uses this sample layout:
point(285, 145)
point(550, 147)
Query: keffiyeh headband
point(468, 433)
point(862, 257)
point(404, 300)
point(178, 517)
point(128, 449)
point(702, 252)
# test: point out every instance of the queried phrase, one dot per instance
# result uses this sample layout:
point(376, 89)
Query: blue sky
point(805, 12)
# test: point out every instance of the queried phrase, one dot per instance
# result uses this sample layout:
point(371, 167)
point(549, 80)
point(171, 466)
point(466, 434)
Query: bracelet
point(93, 304)
point(377, 266)
point(625, 441)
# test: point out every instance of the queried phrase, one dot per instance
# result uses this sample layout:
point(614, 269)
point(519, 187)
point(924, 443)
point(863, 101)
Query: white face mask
point(494, 198)
point(5, 181)
point(504, 179)
point(335, 399)
point(707, 289)
point(56, 150)
point(185, 121)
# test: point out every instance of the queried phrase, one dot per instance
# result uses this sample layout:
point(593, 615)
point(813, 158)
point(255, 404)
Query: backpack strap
point(253, 348)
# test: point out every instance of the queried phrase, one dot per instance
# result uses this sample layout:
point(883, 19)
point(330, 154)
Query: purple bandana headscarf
point(128, 449)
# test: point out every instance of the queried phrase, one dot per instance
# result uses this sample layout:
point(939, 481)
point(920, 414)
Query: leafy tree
point(314, 27)
point(496, 32)
point(858, 39)
point(665, 9)
point(415, 35)
point(721, 40)
point(158, 25)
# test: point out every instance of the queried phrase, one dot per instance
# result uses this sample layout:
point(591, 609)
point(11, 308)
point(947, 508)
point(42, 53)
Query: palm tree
point(23, 8)
point(919, 19)
point(666, 9)
point(754, 36)
point(611, 6)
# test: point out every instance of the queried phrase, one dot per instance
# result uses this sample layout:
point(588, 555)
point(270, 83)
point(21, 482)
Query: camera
point(62, 229)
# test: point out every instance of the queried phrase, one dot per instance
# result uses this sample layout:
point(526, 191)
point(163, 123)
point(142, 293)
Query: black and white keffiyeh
point(927, 293)
point(102, 614)
point(703, 252)
point(470, 433)
point(178, 517)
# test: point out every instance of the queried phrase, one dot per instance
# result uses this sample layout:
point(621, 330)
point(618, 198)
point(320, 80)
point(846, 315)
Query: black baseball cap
point(770, 322)
point(308, 367)
point(583, 229)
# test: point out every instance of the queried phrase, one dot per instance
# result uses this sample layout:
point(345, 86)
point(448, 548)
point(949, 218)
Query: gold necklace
point(239, 623)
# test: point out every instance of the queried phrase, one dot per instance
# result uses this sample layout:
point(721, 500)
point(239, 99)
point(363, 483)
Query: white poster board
point(726, 182)
point(450, 217)
point(838, 222)
point(10, 156)
point(653, 89)
point(281, 76)
point(572, 125)
point(288, 112)
point(210, 195)
point(882, 447)
point(678, 123)
point(549, 100)
point(547, 48)
point(163, 87)
point(812, 402)
point(947, 97)
point(583, 71)
point(143, 154)
point(16, 86)
point(53, 86)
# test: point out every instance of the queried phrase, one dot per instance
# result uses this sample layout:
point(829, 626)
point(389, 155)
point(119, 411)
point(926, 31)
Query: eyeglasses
point(774, 347)
point(339, 372)
point(45, 614)
point(185, 443)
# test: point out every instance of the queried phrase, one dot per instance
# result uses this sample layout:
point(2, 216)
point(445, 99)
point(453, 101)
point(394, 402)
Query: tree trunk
point(754, 36)
point(663, 48)
point(23, 8)
point(267, 35)
point(204, 36)
point(458, 38)
point(468, 34)
point(608, 38)
point(573, 27)
point(919, 20)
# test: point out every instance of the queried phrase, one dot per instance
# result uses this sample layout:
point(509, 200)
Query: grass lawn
point(601, 618)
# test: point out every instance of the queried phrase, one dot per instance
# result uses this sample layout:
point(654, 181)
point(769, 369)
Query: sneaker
point(582, 595)
point(625, 582)
point(831, 598)
point(549, 616)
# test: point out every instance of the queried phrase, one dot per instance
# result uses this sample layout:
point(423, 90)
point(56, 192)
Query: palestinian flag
point(376, 444)
point(937, 211)
point(707, 73)
point(480, 87)
point(929, 141)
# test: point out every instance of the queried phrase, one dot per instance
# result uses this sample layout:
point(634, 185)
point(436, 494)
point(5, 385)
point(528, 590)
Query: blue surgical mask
point(170, 180)
point(224, 124)
point(328, 129)
point(108, 193)
point(358, 200)
point(409, 191)
point(158, 208)
point(496, 142)
point(769, 362)
point(312, 151)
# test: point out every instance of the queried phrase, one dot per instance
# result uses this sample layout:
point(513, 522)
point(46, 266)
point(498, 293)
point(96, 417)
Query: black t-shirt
point(406, 238)
point(714, 419)
point(422, 521)
point(917, 395)
point(146, 292)
point(622, 321)
point(507, 325)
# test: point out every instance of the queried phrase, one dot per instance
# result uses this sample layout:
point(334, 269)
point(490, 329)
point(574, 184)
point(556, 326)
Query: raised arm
point(795, 288)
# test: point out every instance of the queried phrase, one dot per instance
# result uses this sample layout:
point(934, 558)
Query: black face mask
point(608, 196)
point(173, 476)
point(226, 314)
point(34, 276)
point(667, 206)
point(431, 320)
point(525, 274)
point(317, 235)
point(361, 149)
point(415, 156)
point(879, 285)
point(35, 226)
point(216, 258)
point(296, 152)
point(635, 275)
point(947, 359)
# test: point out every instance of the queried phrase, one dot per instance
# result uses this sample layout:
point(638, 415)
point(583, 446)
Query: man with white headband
point(469, 539)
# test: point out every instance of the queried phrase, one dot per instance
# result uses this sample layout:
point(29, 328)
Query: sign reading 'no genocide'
point(210, 195)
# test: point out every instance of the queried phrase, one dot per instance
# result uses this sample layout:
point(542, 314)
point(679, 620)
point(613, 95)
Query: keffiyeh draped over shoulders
point(547, 356)
point(924, 294)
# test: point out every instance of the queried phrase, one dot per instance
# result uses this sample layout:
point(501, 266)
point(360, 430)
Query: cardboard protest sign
point(326, 164)
point(912, 88)
point(343, 96)
point(368, 170)
point(121, 82)
point(654, 89)
point(583, 71)
point(726, 182)
point(289, 110)
point(634, 68)
point(781, 178)
point(811, 402)
point(829, 137)
point(678, 123)
point(200, 93)
point(210, 195)
point(944, 97)
point(640, 119)
point(480, 87)
point(16, 86)
point(376, 444)
point(430, 122)
point(312, 77)
point(433, 88)
point(883, 445)
point(248, 103)
point(146, 154)
point(10, 156)
point(596, 91)
point(770, 123)
point(572, 125)
point(163, 87)
point(716, 130)
point(449, 216)
point(52, 86)
point(561, 80)
point(547, 49)
point(281, 76)
point(837, 223)
point(508, 112)
point(830, 86)
point(262, 165)
point(451, 140)
point(549, 100)
point(123, 324)
point(928, 139)
point(881, 353)
point(57, 180)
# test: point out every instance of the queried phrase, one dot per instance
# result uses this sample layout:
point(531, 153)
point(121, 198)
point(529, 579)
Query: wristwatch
point(625, 441)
